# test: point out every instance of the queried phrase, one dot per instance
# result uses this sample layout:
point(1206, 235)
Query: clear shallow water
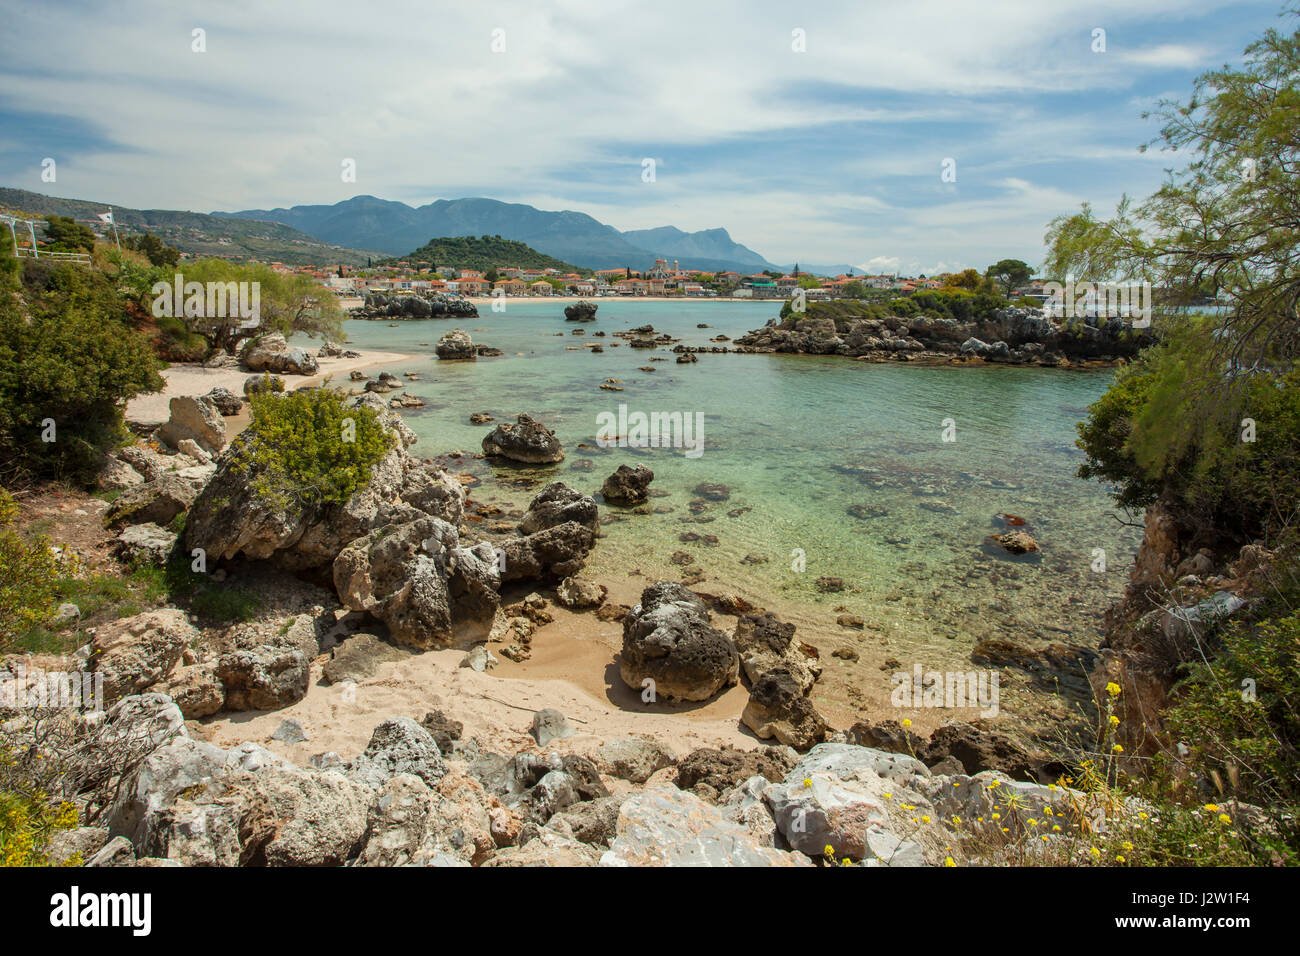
point(799, 440)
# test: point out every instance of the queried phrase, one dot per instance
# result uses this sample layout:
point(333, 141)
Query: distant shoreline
point(602, 299)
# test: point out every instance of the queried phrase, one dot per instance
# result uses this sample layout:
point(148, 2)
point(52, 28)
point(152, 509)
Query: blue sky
point(829, 155)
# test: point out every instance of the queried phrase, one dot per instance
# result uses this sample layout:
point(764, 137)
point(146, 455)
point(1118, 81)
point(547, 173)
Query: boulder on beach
point(227, 402)
point(527, 441)
point(667, 639)
point(271, 353)
point(765, 642)
point(196, 418)
point(779, 707)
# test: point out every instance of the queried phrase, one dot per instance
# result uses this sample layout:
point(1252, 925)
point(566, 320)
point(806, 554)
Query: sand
point(496, 707)
point(189, 379)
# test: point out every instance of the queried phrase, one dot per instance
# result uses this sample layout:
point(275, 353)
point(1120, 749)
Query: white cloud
point(415, 95)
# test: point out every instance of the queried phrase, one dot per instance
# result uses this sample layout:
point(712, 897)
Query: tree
point(67, 235)
point(1230, 217)
point(853, 290)
point(154, 249)
point(1009, 273)
point(287, 304)
point(69, 359)
point(1229, 220)
point(966, 279)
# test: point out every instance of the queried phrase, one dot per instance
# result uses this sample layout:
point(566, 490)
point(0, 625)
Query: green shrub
point(27, 569)
point(67, 355)
point(1239, 713)
point(305, 447)
point(28, 823)
point(1153, 433)
point(176, 343)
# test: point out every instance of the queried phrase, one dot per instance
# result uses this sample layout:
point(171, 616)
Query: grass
point(108, 597)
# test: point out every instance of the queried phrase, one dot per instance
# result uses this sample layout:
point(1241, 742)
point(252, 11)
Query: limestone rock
point(456, 344)
point(778, 708)
point(557, 503)
point(664, 826)
point(153, 502)
point(667, 638)
point(528, 441)
point(135, 653)
point(194, 418)
point(398, 746)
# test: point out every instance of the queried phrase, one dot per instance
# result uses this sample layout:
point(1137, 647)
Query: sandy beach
point(191, 379)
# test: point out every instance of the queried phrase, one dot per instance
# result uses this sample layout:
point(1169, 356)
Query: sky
point(812, 132)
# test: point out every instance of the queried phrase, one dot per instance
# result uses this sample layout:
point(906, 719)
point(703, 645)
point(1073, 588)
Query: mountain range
point(365, 227)
point(394, 227)
point(196, 233)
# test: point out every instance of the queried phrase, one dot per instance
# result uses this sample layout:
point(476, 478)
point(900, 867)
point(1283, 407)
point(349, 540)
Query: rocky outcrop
point(232, 518)
point(557, 552)
point(778, 707)
point(406, 576)
point(398, 746)
point(197, 419)
point(267, 672)
point(430, 305)
point(456, 344)
point(1178, 593)
point(153, 502)
point(664, 826)
point(1011, 335)
point(557, 503)
point(668, 642)
point(271, 353)
point(764, 642)
point(628, 486)
point(527, 441)
point(580, 312)
point(145, 545)
point(134, 653)
point(635, 759)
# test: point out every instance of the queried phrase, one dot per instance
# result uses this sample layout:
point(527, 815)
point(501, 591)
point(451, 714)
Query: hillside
point(482, 253)
point(394, 227)
point(196, 233)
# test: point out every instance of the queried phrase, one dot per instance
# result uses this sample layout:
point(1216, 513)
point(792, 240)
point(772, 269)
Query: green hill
point(482, 253)
point(196, 233)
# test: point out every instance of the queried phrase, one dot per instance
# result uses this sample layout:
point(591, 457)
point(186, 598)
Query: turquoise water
point(799, 440)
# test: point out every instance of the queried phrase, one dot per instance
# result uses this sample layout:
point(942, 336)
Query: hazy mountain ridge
point(195, 232)
point(576, 237)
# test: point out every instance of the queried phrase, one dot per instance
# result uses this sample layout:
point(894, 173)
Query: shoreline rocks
point(1011, 335)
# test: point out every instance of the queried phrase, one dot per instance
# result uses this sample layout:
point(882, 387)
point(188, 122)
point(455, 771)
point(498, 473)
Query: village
point(664, 280)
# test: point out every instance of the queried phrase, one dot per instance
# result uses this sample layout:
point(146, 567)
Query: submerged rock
point(628, 486)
